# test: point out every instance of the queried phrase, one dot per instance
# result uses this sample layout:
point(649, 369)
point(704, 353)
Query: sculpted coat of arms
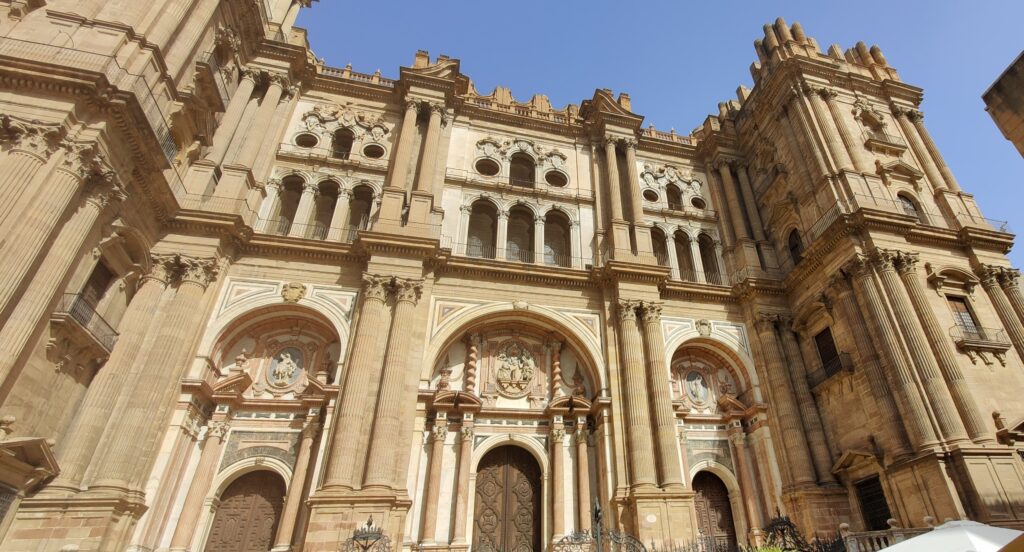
point(516, 368)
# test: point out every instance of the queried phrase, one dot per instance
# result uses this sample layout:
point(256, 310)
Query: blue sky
point(678, 59)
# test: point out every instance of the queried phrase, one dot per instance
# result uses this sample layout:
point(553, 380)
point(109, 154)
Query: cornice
point(517, 272)
point(690, 291)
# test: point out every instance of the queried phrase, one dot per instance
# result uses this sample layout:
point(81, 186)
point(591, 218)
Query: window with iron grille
point(873, 506)
point(963, 317)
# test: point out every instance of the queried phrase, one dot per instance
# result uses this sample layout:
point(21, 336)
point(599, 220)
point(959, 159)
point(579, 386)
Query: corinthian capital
point(439, 432)
point(33, 137)
point(627, 309)
point(859, 266)
point(766, 321)
point(218, 430)
point(650, 311)
point(883, 259)
point(197, 271)
point(1008, 278)
point(85, 160)
point(279, 79)
point(408, 291)
point(905, 262)
point(376, 287)
point(103, 190)
point(611, 139)
point(989, 275)
point(161, 268)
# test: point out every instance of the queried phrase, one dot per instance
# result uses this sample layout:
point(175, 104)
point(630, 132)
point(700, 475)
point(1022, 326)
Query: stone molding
point(35, 137)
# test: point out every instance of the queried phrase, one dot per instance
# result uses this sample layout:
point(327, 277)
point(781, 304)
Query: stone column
point(637, 410)
point(1009, 280)
point(663, 416)
point(462, 496)
point(380, 469)
point(800, 465)
point(338, 230)
point(261, 122)
point(293, 502)
point(950, 425)
point(906, 264)
point(270, 205)
point(807, 136)
point(304, 211)
point(556, 368)
point(917, 118)
point(501, 239)
point(825, 121)
point(184, 532)
point(538, 241)
point(123, 463)
point(698, 262)
point(403, 152)
point(292, 14)
point(435, 468)
point(614, 188)
point(989, 275)
point(425, 182)
point(808, 408)
point(575, 247)
point(673, 257)
point(636, 201)
point(557, 478)
point(877, 381)
point(901, 378)
point(903, 117)
point(35, 301)
point(854, 145)
point(29, 147)
point(581, 437)
point(748, 200)
point(735, 213)
point(345, 458)
point(110, 381)
point(751, 507)
point(232, 116)
point(472, 357)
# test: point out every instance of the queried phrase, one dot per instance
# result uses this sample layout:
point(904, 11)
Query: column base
point(86, 522)
point(987, 480)
point(662, 516)
point(335, 514)
point(817, 510)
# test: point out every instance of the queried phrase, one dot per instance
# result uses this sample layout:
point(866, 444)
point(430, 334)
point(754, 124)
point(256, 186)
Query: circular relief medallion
point(285, 368)
point(516, 368)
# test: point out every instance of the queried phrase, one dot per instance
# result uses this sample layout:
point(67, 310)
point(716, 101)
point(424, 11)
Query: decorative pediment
point(234, 385)
point(729, 404)
point(854, 459)
point(1008, 435)
point(898, 171)
point(567, 403)
point(456, 401)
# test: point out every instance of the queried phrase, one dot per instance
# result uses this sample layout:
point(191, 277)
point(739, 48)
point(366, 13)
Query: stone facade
point(1004, 101)
point(226, 260)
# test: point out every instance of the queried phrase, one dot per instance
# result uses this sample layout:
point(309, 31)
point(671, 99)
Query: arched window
point(659, 245)
point(291, 191)
point(341, 147)
point(326, 201)
point(709, 259)
point(674, 198)
point(520, 235)
point(796, 246)
point(359, 208)
point(557, 241)
point(521, 170)
point(909, 207)
point(684, 255)
point(483, 230)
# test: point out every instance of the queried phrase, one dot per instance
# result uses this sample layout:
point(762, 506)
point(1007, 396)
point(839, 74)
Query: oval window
point(487, 167)
point(373, 151)
point(650, 195)
point(698, 203)
point(306, 140)
point(556, 179)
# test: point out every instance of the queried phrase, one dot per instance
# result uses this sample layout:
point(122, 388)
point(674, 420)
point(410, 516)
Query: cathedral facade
point(253, 302)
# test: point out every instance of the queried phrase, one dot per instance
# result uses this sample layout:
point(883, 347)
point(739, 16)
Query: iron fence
point(75, 307)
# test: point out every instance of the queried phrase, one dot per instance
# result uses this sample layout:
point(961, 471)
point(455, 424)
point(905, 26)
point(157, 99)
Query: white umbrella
point(958, 536)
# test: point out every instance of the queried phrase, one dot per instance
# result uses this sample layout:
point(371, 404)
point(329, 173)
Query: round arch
point(726, 346)
point(732, 485)
point(227, 476)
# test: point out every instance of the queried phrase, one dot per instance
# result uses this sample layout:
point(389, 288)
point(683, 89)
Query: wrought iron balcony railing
point(74, 307)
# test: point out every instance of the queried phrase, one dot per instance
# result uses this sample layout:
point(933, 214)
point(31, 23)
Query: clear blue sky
point(678, 59)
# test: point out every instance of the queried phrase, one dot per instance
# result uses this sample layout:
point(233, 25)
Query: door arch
point(249, 513)
point(714, 511)
point(507, 507)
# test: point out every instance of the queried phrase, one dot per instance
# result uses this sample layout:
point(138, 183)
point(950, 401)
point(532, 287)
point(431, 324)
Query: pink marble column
point(435, 467)
point(582, 438)
point(200, 487)
point(463, 489)
point(292, 502)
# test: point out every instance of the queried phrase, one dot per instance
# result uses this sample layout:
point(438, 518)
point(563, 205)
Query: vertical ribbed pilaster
point(662, 413)
point(637, 409)
point(809, 415)
point(461, 498)
point(581, 437)
point(403, 152)
point(827, 125)
point(1009, 280)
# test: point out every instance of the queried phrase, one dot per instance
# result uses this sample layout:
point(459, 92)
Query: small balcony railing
point(961, 334)
point(74, 307)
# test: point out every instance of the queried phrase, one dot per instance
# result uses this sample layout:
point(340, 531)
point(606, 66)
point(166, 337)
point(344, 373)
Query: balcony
point(316, 231)
point(981, 343)
point(881, 141)
point(79, 336)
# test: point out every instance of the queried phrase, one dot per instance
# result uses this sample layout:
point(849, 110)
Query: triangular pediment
point(899, 167)
point(853, 458)
point(234, 385)
point(604, 107)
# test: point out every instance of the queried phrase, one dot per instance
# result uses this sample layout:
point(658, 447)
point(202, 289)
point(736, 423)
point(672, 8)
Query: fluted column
point(501, 239)
point(403, 153)
point(663, 415)
point(538, 241)
point(638, 419)
point(425, 182)
point(698, 262)
point(232, 116)
point(338, 229)
point(292, 14)
point(345, 462)
point(913, 413)
point(304, 212)
point(903, 117)
point(261, 121)
point(906, 264)
point(435, 467)
point(854, 145)
point(827, 125)
point(216, 434)
point(636, 201)
point(732, 201)
point(990, 281)
point(614, 188)
point(800, 466)
point(81, 439)
point(36, 300)
point(673, 257)
point(270, 205)
point(581, 437)
point(293, 502)
point(950, 426)
point(751, 507)
point(27, 147)
point(462, 496)
point(808, 408)
point(751, 204)
point(123, 463)
point(806, 136)
point(1009, 280)
point(380, 469)
point(917, 118)
point(557, 478)
point(873, 372)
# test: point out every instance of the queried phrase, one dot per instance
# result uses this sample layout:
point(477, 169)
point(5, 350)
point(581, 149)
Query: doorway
point(507, 513)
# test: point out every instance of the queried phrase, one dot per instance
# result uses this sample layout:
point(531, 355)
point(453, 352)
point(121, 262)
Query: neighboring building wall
point(1004, 101)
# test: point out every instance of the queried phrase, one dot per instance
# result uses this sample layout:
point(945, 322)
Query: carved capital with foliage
point(627, 309)
point(407, 291)
point(376, 287)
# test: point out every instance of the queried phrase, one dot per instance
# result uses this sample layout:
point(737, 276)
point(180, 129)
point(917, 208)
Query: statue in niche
point(285, 368)
point(725, 382)
point(516, 368)
point(696, 387)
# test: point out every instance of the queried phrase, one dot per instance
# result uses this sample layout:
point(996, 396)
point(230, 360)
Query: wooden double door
point(507, 511)
point(714, 512)
point(248, 515)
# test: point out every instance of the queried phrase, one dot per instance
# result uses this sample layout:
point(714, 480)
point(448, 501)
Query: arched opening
point(709, 259)
point(291, 192)
point(519, 246)
point(674, 197)
point(910, 207)
point(248, 514)
point(522, 171)
point(557, 241)
point(341, 145)
point(326, 201)
point(796, 246)
point(684, 254)
point(507, 511)
point(659, 245)
point(714, 512)
point(359, 208)
point(482, 234)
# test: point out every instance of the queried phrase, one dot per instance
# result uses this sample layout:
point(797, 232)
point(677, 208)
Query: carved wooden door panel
point(507, 512)
point(714, 512)
point(248, 514)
